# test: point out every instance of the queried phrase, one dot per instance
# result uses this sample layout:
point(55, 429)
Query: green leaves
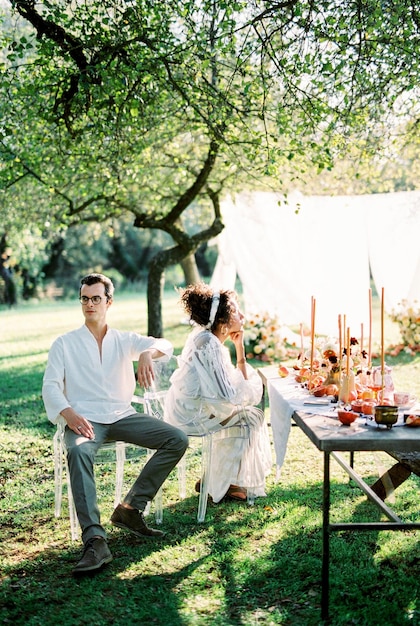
point(112, 107)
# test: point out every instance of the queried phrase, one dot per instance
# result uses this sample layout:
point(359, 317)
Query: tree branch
point(51, 30)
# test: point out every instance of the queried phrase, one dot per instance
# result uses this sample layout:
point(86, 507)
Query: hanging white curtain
point(393, 232)
point(320, 246)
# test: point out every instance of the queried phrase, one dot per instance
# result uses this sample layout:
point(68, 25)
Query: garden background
point(243, 566)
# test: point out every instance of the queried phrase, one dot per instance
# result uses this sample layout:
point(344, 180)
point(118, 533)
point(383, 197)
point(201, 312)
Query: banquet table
point(317, 418)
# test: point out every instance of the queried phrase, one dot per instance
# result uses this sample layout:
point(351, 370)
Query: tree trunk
point(10, 290)
point(186, 247)
point(190, 269)
point(155, 284)
point(9, 286)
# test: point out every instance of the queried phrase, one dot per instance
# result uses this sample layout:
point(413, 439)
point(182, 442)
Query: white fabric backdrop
point(284, 256)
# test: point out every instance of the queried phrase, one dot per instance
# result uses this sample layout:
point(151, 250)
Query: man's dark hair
point(92, 279)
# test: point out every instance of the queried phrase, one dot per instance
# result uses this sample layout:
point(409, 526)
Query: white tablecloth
point(286, 396)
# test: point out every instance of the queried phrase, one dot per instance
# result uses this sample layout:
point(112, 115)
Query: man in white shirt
point(89, 382)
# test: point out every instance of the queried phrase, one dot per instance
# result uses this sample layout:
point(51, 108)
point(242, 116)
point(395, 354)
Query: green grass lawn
point(244, 566)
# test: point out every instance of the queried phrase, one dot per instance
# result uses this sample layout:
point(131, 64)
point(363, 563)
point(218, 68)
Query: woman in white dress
point(208, 394)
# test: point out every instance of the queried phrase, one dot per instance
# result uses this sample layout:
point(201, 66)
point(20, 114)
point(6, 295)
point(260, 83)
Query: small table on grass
point(317, 421)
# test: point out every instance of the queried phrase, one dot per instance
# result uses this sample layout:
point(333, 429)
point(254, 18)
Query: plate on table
point(412, 419)
point(406, 407)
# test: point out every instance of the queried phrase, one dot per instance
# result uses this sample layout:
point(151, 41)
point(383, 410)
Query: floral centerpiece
point(263, 339)
point(329, 365)
point(334, 362)
point(407, 316)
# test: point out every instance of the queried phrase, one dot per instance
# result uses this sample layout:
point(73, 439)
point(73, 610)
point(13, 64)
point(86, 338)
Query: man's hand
point(78, 424)
point(145, 372)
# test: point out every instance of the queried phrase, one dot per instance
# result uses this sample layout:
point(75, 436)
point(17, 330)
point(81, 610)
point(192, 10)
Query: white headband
point(213, 310)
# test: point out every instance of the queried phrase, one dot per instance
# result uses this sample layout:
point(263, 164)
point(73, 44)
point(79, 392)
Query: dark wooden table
point(332, 438)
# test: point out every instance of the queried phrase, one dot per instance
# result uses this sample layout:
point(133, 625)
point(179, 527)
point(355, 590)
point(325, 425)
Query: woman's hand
point(237, 338)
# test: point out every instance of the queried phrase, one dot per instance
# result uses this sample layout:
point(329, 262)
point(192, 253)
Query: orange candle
point(348, 353)
point(370, 330)
point(302, 353)
point(313, 305)
point(344, 334)
point(382, 338)
point(339, 337)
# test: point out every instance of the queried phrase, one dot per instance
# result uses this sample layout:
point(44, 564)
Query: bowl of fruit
point(347, 417)
point(412, 419)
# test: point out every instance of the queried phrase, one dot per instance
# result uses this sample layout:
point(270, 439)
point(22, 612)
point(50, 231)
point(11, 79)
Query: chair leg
point(250, 496)
point(182, 477)
point(119, 471)
point(157, 501)
point(206, 454)
point(158, 507)
point(58, 474)
point(74, 522)
point(60, 459)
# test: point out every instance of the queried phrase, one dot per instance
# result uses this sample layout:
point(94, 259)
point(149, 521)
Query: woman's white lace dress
point(208, 395)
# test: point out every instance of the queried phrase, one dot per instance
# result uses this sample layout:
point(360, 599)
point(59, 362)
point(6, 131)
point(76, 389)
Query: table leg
point(351, 462)
point(263, 398)
point(325, 539)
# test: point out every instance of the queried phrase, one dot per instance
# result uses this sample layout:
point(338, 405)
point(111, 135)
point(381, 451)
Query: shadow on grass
point(365, 588)
point(21, 400)
point(244, 565)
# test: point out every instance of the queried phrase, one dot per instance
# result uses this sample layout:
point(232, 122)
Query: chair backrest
point(154, 397)
point(163, 372)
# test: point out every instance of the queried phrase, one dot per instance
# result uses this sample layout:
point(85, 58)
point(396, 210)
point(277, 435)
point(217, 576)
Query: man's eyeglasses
point(95, 299)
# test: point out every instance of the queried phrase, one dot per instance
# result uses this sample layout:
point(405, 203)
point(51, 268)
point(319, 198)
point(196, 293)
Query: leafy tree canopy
point(115, 106)
point(144, 107)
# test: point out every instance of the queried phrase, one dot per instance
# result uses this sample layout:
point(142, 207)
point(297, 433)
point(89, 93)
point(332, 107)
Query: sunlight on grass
point(244, 565)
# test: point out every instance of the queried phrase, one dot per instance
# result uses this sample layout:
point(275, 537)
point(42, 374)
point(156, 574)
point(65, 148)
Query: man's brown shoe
point(96, 554)
point(133, 521)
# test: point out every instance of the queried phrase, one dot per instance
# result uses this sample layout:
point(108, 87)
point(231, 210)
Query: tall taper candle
point(313, 306)
point(348, 353)
point(344, 334)
point(302, 351)
point(382, 338)
point(339, 337)
point(370, 330)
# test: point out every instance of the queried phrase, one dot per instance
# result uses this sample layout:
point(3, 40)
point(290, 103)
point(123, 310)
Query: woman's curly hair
point(197, 299)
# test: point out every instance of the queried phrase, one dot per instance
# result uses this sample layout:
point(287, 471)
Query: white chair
point(239, 430)
point(156, 399)
point(60, 463)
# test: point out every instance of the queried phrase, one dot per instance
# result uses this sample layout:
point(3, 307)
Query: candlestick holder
point(347, 391)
